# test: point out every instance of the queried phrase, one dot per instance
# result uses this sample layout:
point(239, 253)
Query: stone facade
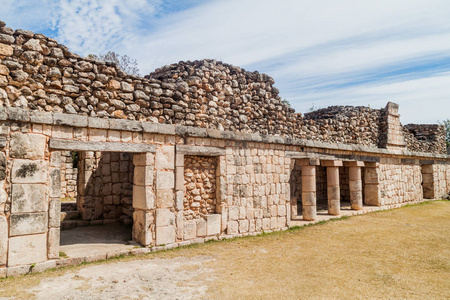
point(194, 151)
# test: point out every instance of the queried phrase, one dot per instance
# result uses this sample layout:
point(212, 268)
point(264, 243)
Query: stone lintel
point(371, 164)
point(331, 163)
point(426, 162)
point(200, 150)
point(354, 163)
point(57, 144)
point(409, 161)
point(309, 162)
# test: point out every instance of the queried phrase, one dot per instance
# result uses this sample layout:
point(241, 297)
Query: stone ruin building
point(193, 151)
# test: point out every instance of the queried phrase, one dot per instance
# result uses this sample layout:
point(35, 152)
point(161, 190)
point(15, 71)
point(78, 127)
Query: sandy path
point(140, 279)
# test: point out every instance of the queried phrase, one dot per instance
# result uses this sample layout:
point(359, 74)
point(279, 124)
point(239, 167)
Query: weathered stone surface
point(3, 239)
point(54, 212)
point(55, 182)
point(28, 223)
point(143, 175)
point(165, 180)
point(100, 146)
point(143, 197)
point(213, 224)
point(164, 217)
point(28, 198)
point(142, 221)
point(164, 199)
point(190, 230)
point(29, 171)
point(165, 235)
point(27, 249)
point(70, 120)
point(201, 227)
point(165, 158)
point(53, 243)
point(33, 45)
point(2, 166)
point(31, 146)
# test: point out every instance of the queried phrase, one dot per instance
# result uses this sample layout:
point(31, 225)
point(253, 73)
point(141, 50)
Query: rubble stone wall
point(37, 73)
point(425, 138)
point(200, 186)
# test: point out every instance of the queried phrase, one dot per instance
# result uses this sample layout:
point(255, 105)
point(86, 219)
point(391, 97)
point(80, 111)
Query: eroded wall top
point(37, 73)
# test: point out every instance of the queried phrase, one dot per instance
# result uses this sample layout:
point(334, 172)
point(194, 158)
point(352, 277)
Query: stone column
point(372, 194)
point(143, 199)
point(333, 188)
point(309, 188)
point(355, 184)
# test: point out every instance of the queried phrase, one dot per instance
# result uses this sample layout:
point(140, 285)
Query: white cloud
point(307, 46)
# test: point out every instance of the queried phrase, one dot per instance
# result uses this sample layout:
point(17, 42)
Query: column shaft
point(333, 191)
point(309, 192)
point(355, 185)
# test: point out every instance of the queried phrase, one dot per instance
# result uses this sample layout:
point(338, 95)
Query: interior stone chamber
point(193, 151)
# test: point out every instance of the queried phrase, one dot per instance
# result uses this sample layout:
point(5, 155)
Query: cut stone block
point(213, 224)
point(164, 199)
point(28, 198)
point(27, 249)
point(55, 182)
point(190, 230)
point(142, 222)
point(3, 239)
point(165, 180)
point(232, 227)
point(28, 223)
point(165, 235)
point(53, 243)
point(29, 171)
point(27, 145)
point(143, 175)
point(54, 212)
point(165, 158)
point(201, 227)
point(143, 197)
point(164, 217)
point(144, 159)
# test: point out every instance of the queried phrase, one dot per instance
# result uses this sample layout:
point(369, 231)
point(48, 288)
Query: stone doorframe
point(142, 188)
point(215, 223)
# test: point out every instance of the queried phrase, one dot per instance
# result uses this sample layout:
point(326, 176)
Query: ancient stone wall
point(400, 183)
point(107, 188)
point(425, 138)
point(69, 175)
point(37, 73)
point(200, 186)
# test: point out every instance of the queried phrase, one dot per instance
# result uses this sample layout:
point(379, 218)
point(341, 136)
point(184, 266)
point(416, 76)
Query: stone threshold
point(72, 261)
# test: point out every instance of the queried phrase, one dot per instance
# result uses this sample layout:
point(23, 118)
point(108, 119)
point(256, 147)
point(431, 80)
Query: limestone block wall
point(399, 183)
point(441, 180)
point(69, 176)
point(258, 191)
point(107, 186)
point(253, 179)
point(425, 137)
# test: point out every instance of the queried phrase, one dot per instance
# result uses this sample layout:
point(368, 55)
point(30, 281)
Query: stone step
point(69, 215)
point(69, 206)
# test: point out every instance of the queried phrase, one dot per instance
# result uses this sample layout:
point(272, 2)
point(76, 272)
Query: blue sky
point(320, 53)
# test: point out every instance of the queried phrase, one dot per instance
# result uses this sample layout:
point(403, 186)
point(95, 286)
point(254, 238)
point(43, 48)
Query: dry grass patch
point(402, 253)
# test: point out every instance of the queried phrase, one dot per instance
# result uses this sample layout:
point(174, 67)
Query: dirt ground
point(402, 253)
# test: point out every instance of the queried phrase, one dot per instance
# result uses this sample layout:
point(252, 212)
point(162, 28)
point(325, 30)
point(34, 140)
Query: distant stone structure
point(194, 151)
